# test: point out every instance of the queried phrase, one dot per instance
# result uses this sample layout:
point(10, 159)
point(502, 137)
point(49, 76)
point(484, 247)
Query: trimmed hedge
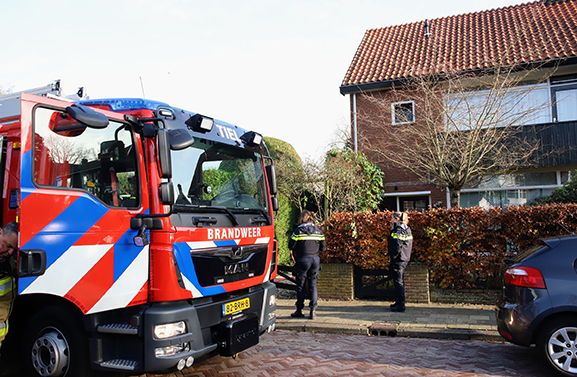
point(462, 247)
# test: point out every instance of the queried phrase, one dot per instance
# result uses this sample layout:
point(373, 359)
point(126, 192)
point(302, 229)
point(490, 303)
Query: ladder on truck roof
point(10, 103)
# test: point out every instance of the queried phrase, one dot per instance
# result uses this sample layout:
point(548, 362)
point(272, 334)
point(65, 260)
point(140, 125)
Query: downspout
point(356, 147)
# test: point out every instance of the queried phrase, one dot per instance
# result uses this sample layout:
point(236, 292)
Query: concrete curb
point(371, 318)
point(407, 331)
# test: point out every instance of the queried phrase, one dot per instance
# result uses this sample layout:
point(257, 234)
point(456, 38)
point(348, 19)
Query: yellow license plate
point(235, 306)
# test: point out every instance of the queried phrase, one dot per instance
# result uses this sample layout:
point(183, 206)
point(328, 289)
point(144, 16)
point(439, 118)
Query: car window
point(530, 251)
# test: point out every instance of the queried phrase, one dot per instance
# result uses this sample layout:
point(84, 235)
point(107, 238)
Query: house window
point(566, 104)
point(522, 105)
point(403, 112)
point(513, 189)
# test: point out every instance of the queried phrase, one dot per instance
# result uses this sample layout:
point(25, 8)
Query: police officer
point(305, 243)
point(8, 247)
point(400, 244)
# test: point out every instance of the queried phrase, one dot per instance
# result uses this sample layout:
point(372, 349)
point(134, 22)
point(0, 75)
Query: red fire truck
point(146, 234)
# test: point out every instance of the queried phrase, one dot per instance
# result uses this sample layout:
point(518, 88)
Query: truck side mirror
point(166, 193)
point(87, 116)
point(275, 205)
point(180, 139)
point(271, 177)
point(163, 149)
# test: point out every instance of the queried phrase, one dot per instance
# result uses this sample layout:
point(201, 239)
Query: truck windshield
point(218, 176)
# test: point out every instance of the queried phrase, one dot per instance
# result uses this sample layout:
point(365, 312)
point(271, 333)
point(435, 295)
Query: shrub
point(462, 247)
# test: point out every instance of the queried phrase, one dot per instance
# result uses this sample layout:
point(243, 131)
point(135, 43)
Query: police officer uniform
point(306, 242)
point(400, 243)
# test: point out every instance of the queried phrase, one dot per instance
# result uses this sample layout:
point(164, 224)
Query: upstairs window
point(514, 106)
point(403, 112)
point(564, 93)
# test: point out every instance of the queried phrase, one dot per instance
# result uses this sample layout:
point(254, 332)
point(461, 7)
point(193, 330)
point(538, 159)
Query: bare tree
point(292, 180)
point(63, 150)
point(4, 90)
point(459, 127)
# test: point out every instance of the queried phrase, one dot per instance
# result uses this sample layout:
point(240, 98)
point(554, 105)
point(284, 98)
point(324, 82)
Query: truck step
point(118, 328)
point(120, 364)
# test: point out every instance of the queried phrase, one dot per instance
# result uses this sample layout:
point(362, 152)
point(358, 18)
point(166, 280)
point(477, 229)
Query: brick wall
point(417, 284)
point(336, 282)
point(374, 123)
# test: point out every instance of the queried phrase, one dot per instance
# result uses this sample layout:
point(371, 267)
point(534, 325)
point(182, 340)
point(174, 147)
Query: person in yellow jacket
point(8, 247)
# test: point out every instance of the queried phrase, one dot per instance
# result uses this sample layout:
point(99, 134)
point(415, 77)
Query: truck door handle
point(31, 263)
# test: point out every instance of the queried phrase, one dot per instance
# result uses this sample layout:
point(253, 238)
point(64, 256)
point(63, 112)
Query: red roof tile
point(525, 33)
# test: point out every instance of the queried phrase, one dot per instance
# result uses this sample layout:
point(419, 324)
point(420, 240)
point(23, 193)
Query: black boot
point(312, 313)
point(398, 307)
point(297, 314)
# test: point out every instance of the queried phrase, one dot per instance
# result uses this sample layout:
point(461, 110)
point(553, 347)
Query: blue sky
point(270, 66)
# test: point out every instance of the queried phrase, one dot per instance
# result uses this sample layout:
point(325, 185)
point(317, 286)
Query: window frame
point(137, 171)
point(554, 90)
point(394, 111)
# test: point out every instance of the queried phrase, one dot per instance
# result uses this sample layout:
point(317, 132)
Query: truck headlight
point(169, 330)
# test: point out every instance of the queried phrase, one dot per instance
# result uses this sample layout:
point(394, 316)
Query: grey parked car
point(539, 304)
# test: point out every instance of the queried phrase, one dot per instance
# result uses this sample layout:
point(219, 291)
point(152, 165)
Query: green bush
point(288, 212)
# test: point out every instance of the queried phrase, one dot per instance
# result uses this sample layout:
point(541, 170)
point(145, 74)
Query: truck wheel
point(56, 346)
point(557, 345)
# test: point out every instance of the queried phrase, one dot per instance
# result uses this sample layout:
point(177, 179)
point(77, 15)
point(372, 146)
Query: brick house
point(387, 58)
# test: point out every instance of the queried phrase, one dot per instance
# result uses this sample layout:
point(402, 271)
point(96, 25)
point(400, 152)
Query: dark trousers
point(397, 269)
point(303, 269)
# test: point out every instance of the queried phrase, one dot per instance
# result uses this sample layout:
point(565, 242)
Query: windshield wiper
point(201, 208)
point(261, 211)
point(228, 213)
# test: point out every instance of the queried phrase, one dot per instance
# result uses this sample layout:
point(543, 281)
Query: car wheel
point(557, 345)
point(56, 346)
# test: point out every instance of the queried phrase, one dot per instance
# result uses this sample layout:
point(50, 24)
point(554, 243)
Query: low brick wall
point(466, 296)
point(417, 284)
point(336, 282)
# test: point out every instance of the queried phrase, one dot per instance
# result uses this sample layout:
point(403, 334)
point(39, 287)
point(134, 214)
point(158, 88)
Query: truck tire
point(55, 345)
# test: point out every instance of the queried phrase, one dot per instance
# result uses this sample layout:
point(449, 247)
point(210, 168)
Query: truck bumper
point(209, 329)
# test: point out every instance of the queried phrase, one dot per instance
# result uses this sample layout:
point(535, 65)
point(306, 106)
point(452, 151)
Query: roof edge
point(380, 85)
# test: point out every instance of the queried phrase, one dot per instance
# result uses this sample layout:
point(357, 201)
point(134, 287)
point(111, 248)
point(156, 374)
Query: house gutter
point(355, 139)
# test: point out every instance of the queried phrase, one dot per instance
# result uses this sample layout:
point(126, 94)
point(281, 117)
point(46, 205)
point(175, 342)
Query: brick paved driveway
point(285, 353)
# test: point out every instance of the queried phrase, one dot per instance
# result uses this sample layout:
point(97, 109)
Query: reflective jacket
point(7, 294)
point(307, 240)
point(400, 243)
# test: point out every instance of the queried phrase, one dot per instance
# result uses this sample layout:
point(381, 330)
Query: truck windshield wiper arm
point(228, 213)
point(260, 211)
point(199, 208)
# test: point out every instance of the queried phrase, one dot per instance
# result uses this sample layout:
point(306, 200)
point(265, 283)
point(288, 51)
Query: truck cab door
point(81, 181)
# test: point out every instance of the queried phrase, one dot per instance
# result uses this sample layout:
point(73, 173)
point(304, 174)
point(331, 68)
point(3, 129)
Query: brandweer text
point(231, 233)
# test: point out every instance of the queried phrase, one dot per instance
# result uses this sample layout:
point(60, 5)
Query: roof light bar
point(125, 104)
